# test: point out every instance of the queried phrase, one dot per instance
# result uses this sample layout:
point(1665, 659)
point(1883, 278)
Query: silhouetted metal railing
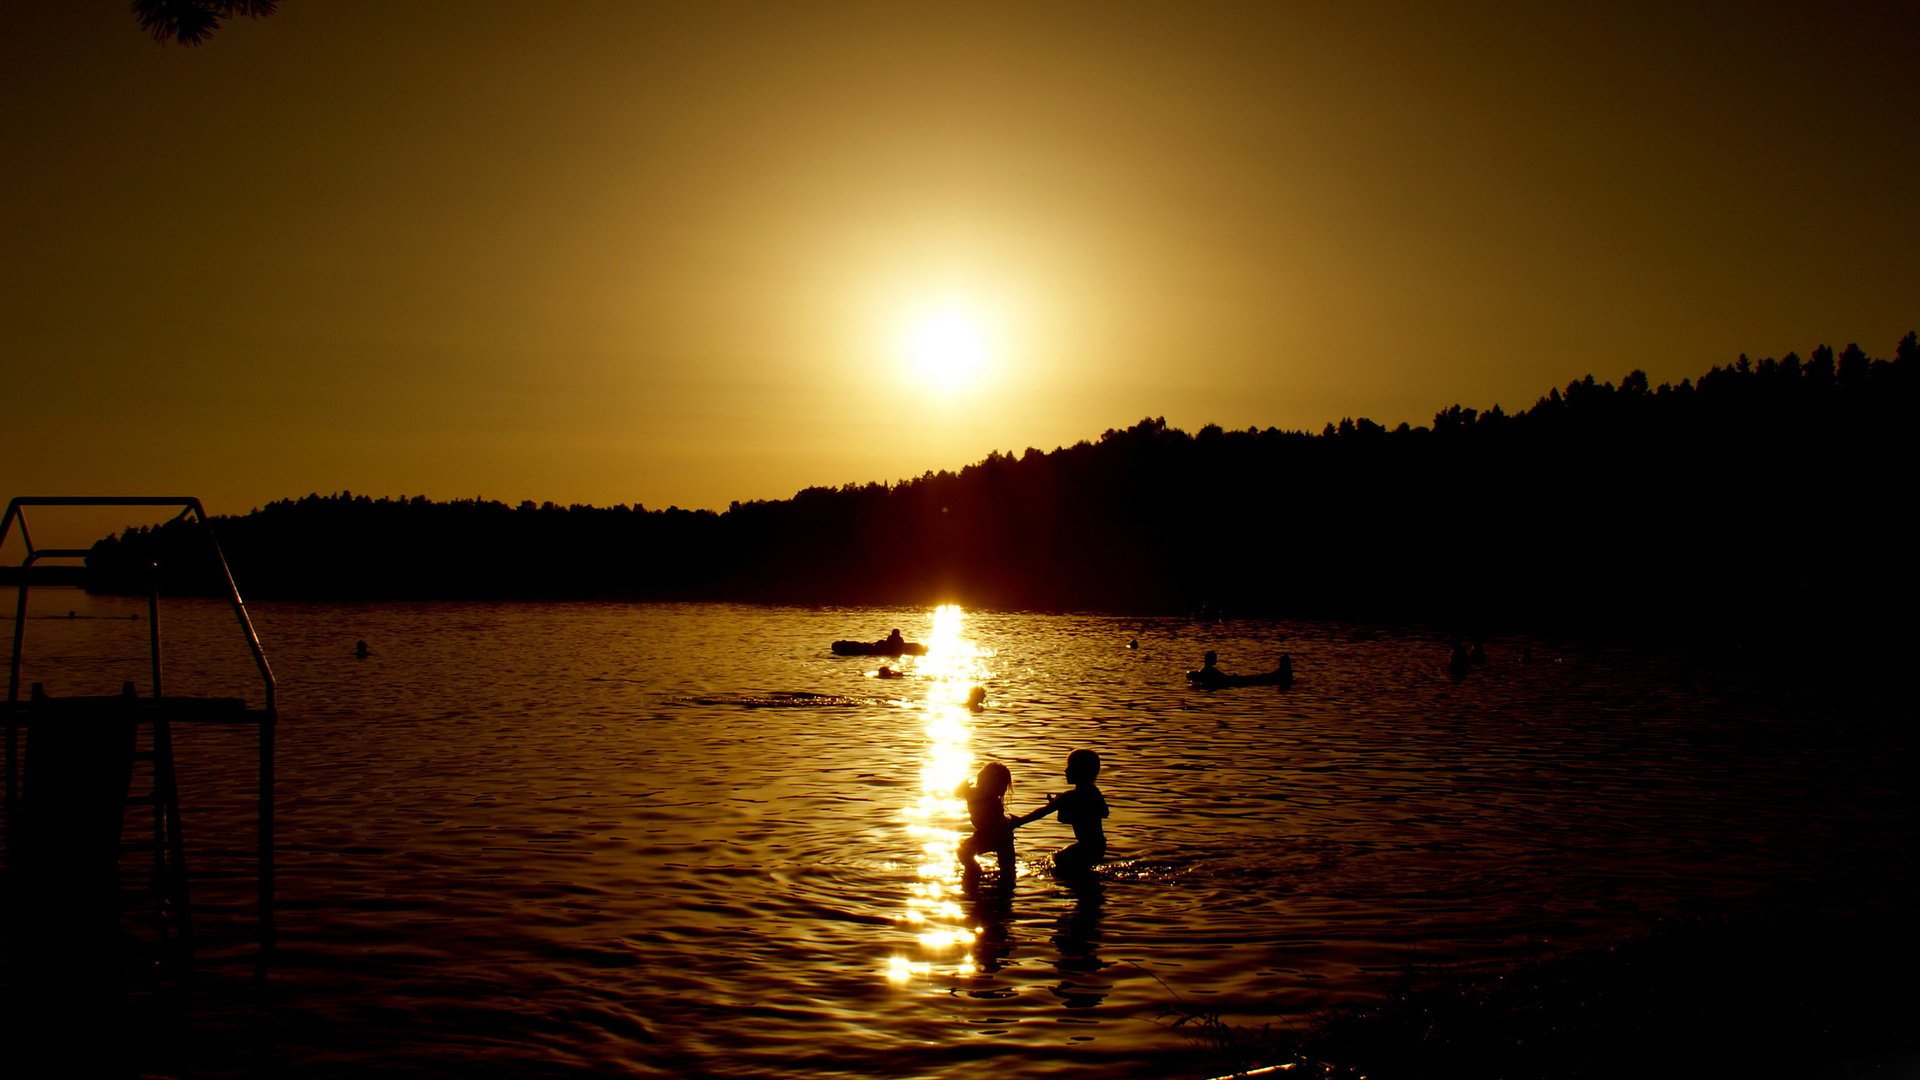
point(161, 710)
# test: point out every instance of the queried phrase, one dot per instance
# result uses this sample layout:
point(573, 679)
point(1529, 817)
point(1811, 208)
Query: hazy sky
point(676, 254)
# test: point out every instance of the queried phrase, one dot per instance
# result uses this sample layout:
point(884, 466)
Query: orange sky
point(670, 254)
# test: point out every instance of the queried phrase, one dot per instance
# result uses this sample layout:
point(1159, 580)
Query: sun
point(948, 348)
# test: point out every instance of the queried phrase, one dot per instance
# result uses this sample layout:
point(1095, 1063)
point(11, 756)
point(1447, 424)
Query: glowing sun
point(948, 348)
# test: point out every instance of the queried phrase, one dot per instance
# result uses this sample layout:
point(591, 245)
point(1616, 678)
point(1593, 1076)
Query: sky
point(685, 254)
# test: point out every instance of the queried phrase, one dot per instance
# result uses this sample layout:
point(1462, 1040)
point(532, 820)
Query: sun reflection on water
point(936, 817)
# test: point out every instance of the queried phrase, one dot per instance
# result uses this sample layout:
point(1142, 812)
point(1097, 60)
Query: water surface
point(586, 839)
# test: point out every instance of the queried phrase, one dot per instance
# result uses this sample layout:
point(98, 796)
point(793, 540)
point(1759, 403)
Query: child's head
point(994, 778)
point(1082, 767)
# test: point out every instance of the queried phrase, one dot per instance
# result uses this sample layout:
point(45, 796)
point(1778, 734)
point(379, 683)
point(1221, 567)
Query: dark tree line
point(1761, 496)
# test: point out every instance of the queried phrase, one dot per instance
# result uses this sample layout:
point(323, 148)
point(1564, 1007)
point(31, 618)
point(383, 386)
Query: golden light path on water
point(936, 818)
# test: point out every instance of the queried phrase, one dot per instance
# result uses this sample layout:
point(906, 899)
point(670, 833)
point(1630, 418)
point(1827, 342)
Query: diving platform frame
point(134, 727)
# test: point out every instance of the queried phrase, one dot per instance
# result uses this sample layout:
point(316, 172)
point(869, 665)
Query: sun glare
point(948, 348)
point(944, 936)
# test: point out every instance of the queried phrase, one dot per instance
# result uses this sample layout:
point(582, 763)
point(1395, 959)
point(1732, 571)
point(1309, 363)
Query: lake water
point(583, 839)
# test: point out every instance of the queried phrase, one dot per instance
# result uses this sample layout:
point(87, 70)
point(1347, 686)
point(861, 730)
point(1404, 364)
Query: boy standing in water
point(1083, 808)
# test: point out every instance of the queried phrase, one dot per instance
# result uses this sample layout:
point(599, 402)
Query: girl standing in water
point(992, 827)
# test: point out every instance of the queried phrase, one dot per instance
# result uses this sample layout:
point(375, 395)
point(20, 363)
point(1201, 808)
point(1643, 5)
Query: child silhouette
point(1083, 808)
point(992, 827)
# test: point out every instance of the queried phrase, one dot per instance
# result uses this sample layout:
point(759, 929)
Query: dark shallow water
point(607, 840)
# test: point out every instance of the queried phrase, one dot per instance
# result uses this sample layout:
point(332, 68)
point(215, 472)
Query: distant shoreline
point(1755, 509)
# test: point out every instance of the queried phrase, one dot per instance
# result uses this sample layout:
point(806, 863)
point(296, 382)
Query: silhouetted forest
point(1762, 497)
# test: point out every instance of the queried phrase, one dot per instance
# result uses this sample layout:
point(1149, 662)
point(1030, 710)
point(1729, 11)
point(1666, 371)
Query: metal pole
point(153, 625)
point(265, 872)
point(13, 704)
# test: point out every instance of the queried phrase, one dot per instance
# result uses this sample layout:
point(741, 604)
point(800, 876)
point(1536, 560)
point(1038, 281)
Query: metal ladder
point(157, 800)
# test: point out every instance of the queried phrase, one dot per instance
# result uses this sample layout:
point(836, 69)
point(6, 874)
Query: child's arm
point(1016, 822)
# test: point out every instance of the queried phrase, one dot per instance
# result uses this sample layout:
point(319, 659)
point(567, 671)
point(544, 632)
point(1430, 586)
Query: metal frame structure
point(163, 709)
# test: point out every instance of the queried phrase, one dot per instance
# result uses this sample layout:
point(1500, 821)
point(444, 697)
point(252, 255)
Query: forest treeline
point(1763, 495)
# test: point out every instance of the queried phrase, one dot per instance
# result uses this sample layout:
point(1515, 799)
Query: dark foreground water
point(608, 840)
